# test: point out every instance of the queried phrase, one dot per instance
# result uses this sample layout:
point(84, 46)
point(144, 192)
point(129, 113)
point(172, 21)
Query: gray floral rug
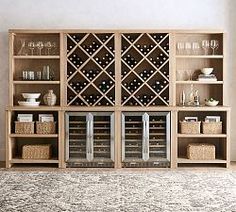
point(184, 190)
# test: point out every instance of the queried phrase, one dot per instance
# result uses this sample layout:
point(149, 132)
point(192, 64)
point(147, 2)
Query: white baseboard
point(2, 154)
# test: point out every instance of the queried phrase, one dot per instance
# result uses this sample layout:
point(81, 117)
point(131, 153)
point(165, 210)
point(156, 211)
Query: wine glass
point(188, 47)
point(205, 45)
point(195, 47)
point(180, 47)
point(40, 46)
point(54, 47)
point(214, 44)
point(48, 46)
point(31, 46)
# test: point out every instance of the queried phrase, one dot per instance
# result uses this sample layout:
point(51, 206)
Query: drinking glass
point(54, 47)
point(195, 48)
point(48, 46)
point(188, 47)
point(180, 47)
point(189, 75)
point(205, 46)
point(214, 44)
point(31, 46)
point(40, 46)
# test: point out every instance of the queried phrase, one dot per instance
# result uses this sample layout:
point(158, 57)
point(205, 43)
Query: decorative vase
point(50, 98)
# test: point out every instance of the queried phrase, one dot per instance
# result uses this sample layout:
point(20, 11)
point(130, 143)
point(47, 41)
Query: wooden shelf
point(37, 57)
point(34, 135)
point(202, 135)
point(21, 82)
point(18, 160)
point(38, 108)
point(199, 82)
point(200, 56)
point(185, 160)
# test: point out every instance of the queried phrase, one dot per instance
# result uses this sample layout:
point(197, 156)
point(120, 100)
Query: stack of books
point(25, 117)
point(210, 77)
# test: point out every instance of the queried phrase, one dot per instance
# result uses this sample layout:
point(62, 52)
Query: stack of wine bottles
point(105, 60)
point(145, 49)
point(145, 74)
point(145, 99)
point(159, 85)
point(91, 48)
point(133, 85)
point(105, 85)
point(159, 60)
point(158, 37)
point(130, 60)
point(104, 38)
point(76, 37)
point(78, 86)
point(76, 60)
point(91, 73)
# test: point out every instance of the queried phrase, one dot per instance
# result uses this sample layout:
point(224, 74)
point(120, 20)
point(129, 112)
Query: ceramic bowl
point(206, 71)
point(31, 95)
point(212, 103)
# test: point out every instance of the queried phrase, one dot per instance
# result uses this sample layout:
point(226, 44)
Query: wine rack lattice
point(90, 69)
point(145, 69)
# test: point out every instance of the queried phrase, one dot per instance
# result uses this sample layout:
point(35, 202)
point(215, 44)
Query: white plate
point(22, 103)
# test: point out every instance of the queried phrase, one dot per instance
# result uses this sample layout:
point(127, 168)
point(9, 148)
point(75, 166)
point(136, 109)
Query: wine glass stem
point(32, 52)
point(213, 51)
point(40, 51)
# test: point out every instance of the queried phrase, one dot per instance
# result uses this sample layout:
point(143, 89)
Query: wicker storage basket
point(24, 127)
point(45, 127)
point(201, 151)
point(212, 127)
point(41, 151)
point(190, 127)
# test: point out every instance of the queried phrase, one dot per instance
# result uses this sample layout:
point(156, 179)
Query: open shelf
point(200, 56)
point(185, 160)
point(201, 135)
point(50, 57)
point(33, 135)
point(19, 160)
point(199, 82)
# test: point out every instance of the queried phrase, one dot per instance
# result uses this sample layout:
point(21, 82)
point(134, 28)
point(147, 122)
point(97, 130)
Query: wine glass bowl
point(48, 46)
point(40, 46)
point(214, 44)
point(31, 46)
point(205, 46)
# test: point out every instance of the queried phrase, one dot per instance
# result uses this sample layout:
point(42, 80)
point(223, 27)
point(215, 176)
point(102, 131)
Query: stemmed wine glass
point(48, 46)
point(205, 45)
point(31, 46)
point(195, 47)
point(180, 47)
point(40, 46)
point(214, 44)
point(188, 48)
point(54, 47)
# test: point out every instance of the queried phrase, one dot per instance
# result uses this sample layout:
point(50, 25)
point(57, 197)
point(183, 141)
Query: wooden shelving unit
point(118, 72)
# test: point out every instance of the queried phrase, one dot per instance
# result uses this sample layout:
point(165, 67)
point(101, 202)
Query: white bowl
point(206, 71)
point(31, 95)
point(212, 103)
point(29, 104)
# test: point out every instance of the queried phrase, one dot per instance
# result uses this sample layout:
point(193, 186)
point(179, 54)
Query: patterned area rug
point(184, 190)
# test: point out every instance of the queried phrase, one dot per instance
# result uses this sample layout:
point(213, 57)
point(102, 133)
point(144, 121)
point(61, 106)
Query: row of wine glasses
point(37, 47)
point(195, 48)
point(40, 45)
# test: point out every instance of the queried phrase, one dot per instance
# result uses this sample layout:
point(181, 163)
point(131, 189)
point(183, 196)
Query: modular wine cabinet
point(146, 139)
point(90, 139)
point(116, 93)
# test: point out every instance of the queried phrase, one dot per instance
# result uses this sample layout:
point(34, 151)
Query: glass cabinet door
point(146, 139)
point(90, 139)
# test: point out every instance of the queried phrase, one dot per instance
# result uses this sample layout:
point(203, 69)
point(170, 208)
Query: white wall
point(102, 14)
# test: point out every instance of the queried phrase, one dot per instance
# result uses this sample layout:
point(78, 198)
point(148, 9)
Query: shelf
point(199, 82)
point(38, 108)
point(201, 56)
point(203, 108)
point(37, 57)
point(33, 135)
point(202, 135)
point(185, 160)
point(19, 82)
point(18, 160)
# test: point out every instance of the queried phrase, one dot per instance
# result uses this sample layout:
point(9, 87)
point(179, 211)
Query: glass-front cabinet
point(146, 139)
point(90, 139)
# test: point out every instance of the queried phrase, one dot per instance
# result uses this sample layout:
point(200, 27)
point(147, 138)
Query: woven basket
point(24, 127)
point(45, 127)
point(201, 151)
point(41, 151)
point(190, 127)
point(212, 127)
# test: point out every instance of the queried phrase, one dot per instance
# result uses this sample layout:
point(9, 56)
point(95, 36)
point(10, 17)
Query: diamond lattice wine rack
point(90, 69)
point(145, 69)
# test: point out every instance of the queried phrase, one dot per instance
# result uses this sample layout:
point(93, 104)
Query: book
point(46, 117)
